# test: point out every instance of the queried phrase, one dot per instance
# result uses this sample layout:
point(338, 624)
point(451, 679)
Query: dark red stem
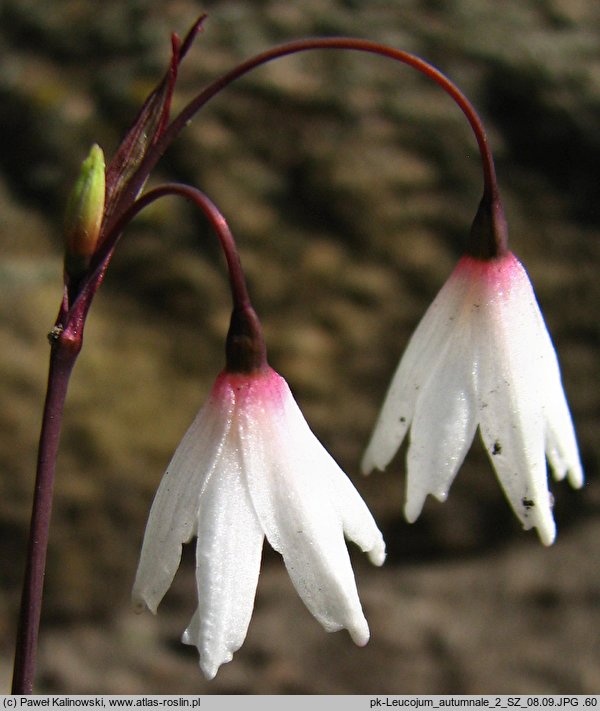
point(347, 43)
point(62, 359)
point(489, 234)
point(490, 207)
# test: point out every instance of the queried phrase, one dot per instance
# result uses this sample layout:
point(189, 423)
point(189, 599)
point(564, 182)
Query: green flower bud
point(85, 209)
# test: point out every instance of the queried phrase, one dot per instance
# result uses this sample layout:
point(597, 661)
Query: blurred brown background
point(350, 183)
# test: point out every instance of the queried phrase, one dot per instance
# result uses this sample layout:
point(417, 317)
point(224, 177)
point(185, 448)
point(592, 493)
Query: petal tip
point(210, 666)
point(207, 662)
point(360, 632)
point(546, 528)
point(377, 554)
point(412, 510)
point(209, 669)
point(576, 478)
point(367, 465)
point(441, 496)
point(376, 459)
point(140, 603)
point(547, 534)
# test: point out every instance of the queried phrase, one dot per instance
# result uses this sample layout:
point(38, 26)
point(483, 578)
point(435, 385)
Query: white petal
point(444, 423)
point(561, 444)
point(358, 523)
point(228, 553)
point(291, 490)
point(512, 384)
point(173, 516)
point(423, 354)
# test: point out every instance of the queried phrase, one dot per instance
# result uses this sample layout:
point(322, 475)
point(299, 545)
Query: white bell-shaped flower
point(481, 357)
point(250, 467)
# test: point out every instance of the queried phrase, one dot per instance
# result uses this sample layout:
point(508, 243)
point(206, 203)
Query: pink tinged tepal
point(481, 357)
point(250, 467)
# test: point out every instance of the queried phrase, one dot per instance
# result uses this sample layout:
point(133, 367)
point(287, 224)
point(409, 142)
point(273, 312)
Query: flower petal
point(561, 443)
point(290, 487)
point(358, 523)
point(444, 424)
point(422, 355)
point(173, 516)
point(228, 554)
point(511, 388)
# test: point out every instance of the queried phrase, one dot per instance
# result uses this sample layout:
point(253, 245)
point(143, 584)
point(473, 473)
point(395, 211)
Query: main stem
point(61, 365)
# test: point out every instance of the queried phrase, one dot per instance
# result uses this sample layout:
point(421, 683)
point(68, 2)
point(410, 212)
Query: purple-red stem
point(324, 43)
point(62, 360)
point(490, 201)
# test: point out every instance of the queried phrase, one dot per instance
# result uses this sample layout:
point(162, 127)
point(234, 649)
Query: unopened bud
point(83, 218)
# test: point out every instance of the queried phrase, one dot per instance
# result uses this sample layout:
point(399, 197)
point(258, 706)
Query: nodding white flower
point(481, 356)
point(250, 467)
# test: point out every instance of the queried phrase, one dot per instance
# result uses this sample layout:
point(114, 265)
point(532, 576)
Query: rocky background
point(350, 183)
